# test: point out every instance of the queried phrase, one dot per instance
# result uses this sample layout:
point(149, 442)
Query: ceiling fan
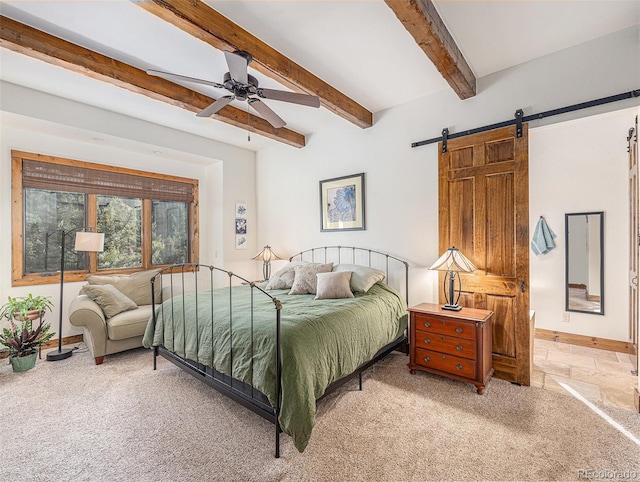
point(243, 86)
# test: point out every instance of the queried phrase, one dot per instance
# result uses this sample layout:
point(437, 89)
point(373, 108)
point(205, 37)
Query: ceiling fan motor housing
point(241, 91)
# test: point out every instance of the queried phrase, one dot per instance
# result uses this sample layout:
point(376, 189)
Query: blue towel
point(542, 241)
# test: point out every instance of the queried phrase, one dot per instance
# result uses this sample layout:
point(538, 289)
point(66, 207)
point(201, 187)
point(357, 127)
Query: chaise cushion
point(129, 324)
point(109, 299)
point(136, 286)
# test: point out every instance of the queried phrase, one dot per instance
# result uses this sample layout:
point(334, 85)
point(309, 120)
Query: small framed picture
point(241, 210)
point(342, 203)
point(241, 241)
point(241, 226)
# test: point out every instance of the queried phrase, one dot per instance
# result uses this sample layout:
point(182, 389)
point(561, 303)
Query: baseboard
point(67, 340)
point(582, 340)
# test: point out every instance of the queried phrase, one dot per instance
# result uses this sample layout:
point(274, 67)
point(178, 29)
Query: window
point(149, 220)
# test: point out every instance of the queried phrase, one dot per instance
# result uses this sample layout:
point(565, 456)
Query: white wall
point(582, 166)
point(401, 182)
point(225, 173)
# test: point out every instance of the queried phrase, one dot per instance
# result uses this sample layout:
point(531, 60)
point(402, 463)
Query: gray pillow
point(136, 286)
point(333, 285)
point(283, 279)
point(363, 277)
point(109, 299)
point(305, 279)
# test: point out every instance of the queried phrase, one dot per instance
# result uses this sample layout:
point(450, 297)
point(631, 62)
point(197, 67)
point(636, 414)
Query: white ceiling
point(357, 46)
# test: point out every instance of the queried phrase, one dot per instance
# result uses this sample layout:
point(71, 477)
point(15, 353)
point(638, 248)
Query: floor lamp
point(85, 241)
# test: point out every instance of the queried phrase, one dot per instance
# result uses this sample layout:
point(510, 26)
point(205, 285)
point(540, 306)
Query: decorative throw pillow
point(333, 285)
point(363, 277)
point(283, 279)
point(136, 286)
point(305, 278)
point(109, 299)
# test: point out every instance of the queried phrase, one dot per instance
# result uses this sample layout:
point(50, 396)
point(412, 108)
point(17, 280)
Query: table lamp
point(266, 255)
point(453, 262)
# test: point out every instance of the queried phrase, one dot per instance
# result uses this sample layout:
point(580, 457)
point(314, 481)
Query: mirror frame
point(566, 274)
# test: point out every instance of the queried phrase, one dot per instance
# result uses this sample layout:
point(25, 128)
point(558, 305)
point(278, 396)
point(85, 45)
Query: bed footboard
point(193, 284)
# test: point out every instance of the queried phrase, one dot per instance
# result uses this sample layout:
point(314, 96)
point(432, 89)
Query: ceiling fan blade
point(237, 67)
point(265, 111)
point(216, 106)
point(293, 97)
point(168, 76)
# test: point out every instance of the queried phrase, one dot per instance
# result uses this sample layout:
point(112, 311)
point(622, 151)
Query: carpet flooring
point(122, 421)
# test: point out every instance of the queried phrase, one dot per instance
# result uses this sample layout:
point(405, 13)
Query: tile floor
point(598, 375)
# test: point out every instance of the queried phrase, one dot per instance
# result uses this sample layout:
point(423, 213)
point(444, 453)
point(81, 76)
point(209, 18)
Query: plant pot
point(31, 315)
point(23, 363)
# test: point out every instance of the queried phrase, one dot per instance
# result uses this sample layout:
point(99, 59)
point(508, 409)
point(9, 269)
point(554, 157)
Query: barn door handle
point(522, 286)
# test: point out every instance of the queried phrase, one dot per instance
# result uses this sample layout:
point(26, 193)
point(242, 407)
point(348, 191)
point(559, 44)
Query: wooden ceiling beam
point(198, 19)
point(48, 48)
point(423, 22)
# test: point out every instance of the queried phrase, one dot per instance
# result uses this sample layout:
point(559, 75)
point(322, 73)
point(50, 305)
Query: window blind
point(63, 177)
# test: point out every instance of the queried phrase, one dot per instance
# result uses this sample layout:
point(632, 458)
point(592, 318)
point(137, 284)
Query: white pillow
point(334, 285)
point(363, 277)
point(283, 278)
point(305, 280)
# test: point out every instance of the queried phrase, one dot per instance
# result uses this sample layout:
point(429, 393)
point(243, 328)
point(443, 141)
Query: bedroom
point(402, 203)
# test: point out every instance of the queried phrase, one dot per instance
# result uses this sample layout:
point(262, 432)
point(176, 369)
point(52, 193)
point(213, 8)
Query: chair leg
point(99, 360)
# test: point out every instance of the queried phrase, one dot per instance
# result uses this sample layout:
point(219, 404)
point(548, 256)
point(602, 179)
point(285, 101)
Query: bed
point(278, 353)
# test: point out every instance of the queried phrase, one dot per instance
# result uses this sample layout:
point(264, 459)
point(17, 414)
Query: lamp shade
point(88, 241)
point(266, 254)
point(453, 260)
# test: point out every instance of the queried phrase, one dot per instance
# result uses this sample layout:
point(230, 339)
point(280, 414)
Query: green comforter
point(322, 341)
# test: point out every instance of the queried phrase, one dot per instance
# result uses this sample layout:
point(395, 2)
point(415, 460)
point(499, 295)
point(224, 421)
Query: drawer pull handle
point(427, 341)
point(459, 366)
point(427, 324)
point(458, 330)
point(459, 348)
point(427, 358)
point(442, 338)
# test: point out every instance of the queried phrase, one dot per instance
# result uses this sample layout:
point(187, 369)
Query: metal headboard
point(355, 255)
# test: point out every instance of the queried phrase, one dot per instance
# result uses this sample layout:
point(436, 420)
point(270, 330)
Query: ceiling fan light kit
point(244, 87)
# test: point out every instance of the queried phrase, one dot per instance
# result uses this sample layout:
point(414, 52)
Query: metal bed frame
point(243, 393)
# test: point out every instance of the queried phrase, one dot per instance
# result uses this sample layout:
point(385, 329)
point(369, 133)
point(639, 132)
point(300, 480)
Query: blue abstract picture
point(341, 206)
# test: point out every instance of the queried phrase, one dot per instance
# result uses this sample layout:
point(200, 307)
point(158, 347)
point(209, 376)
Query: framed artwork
point(241, 241)
point(241, 210)
point(342, 203)
point(241, 226)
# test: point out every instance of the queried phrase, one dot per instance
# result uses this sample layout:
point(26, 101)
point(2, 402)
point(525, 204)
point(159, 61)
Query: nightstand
point(453, 344)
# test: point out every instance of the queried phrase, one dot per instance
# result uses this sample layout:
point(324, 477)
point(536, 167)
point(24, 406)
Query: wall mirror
point(585, 262)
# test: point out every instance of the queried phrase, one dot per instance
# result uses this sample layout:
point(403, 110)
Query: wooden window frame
point(19, 278)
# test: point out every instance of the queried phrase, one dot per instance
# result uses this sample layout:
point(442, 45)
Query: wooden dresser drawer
point(446, 344)
point(446, 363)
point(445, 327)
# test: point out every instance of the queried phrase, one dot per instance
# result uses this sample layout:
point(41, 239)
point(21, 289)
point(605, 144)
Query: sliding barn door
point(634, 244)
point(484, 212)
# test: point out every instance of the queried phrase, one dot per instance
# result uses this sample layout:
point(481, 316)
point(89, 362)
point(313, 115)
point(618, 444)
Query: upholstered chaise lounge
point(113, 312)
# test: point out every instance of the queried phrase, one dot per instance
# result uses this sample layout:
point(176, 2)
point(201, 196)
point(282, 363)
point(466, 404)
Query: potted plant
point(21, 338)
point(30, 307)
